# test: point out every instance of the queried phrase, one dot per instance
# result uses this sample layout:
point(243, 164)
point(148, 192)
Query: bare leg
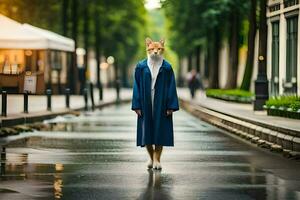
point(156, 156)
point(150, 152)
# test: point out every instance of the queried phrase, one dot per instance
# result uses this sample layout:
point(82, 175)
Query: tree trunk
point(124, 81)
point(180, 76)
point(190, 62)
point(86, 38)
point(213, 59)
point(65, 17)
point(73, 72)
point(251, 48)
point(198, 50)
point(233, 51)
point(98, 50)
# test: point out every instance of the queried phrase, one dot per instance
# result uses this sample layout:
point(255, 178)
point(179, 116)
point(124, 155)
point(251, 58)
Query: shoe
point(157, 165)
point(149, 164)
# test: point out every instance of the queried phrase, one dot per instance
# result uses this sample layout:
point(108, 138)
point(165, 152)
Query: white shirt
point(154, 66)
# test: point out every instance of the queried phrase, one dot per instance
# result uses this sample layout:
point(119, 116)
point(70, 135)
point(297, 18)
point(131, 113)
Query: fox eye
point(150, 49)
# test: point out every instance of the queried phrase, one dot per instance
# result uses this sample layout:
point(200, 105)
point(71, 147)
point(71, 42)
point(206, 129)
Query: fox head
point(155, 50)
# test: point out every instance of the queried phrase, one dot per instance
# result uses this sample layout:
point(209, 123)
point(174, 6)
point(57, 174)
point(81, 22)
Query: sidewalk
point(37, 106)
point(241, 111)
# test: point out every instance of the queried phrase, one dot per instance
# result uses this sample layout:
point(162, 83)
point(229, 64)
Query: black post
point(118, 83)
point(26, 102)
point(48, 92)
point(3, 160)
point(261, 83)
point(4, 104)
point(3, 153)
point(92, 95)
point(68, 97)
point(85, 96)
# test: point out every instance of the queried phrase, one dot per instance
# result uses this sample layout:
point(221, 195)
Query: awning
point(14, 35)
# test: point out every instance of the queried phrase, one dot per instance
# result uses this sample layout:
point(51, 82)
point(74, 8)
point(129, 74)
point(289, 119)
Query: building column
point(298, 59)
point(282, 51)
point(269, 53)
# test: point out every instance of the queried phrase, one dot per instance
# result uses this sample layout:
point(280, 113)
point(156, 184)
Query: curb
point(40, 116)
point(276, 141)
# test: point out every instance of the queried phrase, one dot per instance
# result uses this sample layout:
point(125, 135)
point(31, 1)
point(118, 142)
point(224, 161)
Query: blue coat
point(156, 129)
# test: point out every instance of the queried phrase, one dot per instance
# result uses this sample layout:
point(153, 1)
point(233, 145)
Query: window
point(291, 49)
point(275, 59)
point(288, 3)
point(274, 8)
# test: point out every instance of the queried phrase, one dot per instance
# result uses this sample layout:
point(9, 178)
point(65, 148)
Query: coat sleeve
point(172, 99)
point(136, 100)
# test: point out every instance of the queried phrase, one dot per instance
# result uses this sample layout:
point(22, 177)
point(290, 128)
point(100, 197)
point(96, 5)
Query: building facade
point(283, 64)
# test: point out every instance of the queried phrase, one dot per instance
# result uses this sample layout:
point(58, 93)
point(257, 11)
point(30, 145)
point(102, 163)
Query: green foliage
point(284, 106)
point(122, 23)
point(192, 22)
point(287, 101)
point(235, 95)
point(157, 30)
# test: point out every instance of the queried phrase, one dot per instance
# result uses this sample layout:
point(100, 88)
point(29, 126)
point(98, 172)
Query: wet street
point(94, 156)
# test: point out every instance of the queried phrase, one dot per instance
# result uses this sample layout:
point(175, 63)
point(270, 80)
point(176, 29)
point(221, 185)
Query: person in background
point(194, 82)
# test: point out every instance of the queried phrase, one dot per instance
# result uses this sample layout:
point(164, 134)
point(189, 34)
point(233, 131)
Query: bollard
point(26, 102)
point(100, 92)
point(118, 84)
point(48, 93)
point(68, 97)
point(3, 160)
point(85, 96)
point(4, 104)
point(92, 95)
point(3, 153)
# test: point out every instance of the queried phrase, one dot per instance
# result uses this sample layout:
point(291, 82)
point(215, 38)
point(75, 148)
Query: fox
point(155, 51)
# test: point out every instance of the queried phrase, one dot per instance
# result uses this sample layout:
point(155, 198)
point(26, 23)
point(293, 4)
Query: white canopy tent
point(51, 40)
point(14, 35)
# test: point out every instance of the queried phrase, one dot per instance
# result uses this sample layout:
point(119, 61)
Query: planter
point(283, 112)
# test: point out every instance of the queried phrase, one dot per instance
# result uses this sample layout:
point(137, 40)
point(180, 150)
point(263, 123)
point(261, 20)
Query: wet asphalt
point(94, 156)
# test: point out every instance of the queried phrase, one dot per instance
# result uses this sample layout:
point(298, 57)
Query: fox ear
point(148, 41)
point(162, 42)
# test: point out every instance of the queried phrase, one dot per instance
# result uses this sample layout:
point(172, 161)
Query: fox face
point(155, 50)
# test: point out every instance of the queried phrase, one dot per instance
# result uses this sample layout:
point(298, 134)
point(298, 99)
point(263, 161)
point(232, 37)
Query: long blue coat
point(157, 128)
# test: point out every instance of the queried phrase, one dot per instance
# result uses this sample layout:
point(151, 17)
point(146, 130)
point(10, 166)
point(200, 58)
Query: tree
point(120, 32)
point(251, 45)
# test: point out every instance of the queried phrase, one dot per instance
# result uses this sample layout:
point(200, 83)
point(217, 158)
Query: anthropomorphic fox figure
point(154, 101)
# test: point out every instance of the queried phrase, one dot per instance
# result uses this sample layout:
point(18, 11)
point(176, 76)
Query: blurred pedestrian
point(194, 82)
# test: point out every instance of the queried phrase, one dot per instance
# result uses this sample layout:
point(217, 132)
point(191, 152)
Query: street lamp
point(261, 83)
point(110, 60)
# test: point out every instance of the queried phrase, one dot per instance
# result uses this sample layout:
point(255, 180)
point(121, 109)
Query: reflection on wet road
point(94, 156)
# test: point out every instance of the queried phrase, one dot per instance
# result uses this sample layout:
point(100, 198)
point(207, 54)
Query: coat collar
point(165, 65)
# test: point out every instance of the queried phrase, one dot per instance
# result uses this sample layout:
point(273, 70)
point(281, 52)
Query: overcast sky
point(152, 4)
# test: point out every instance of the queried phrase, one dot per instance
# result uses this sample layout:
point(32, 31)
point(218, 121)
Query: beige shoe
point(149, 164)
